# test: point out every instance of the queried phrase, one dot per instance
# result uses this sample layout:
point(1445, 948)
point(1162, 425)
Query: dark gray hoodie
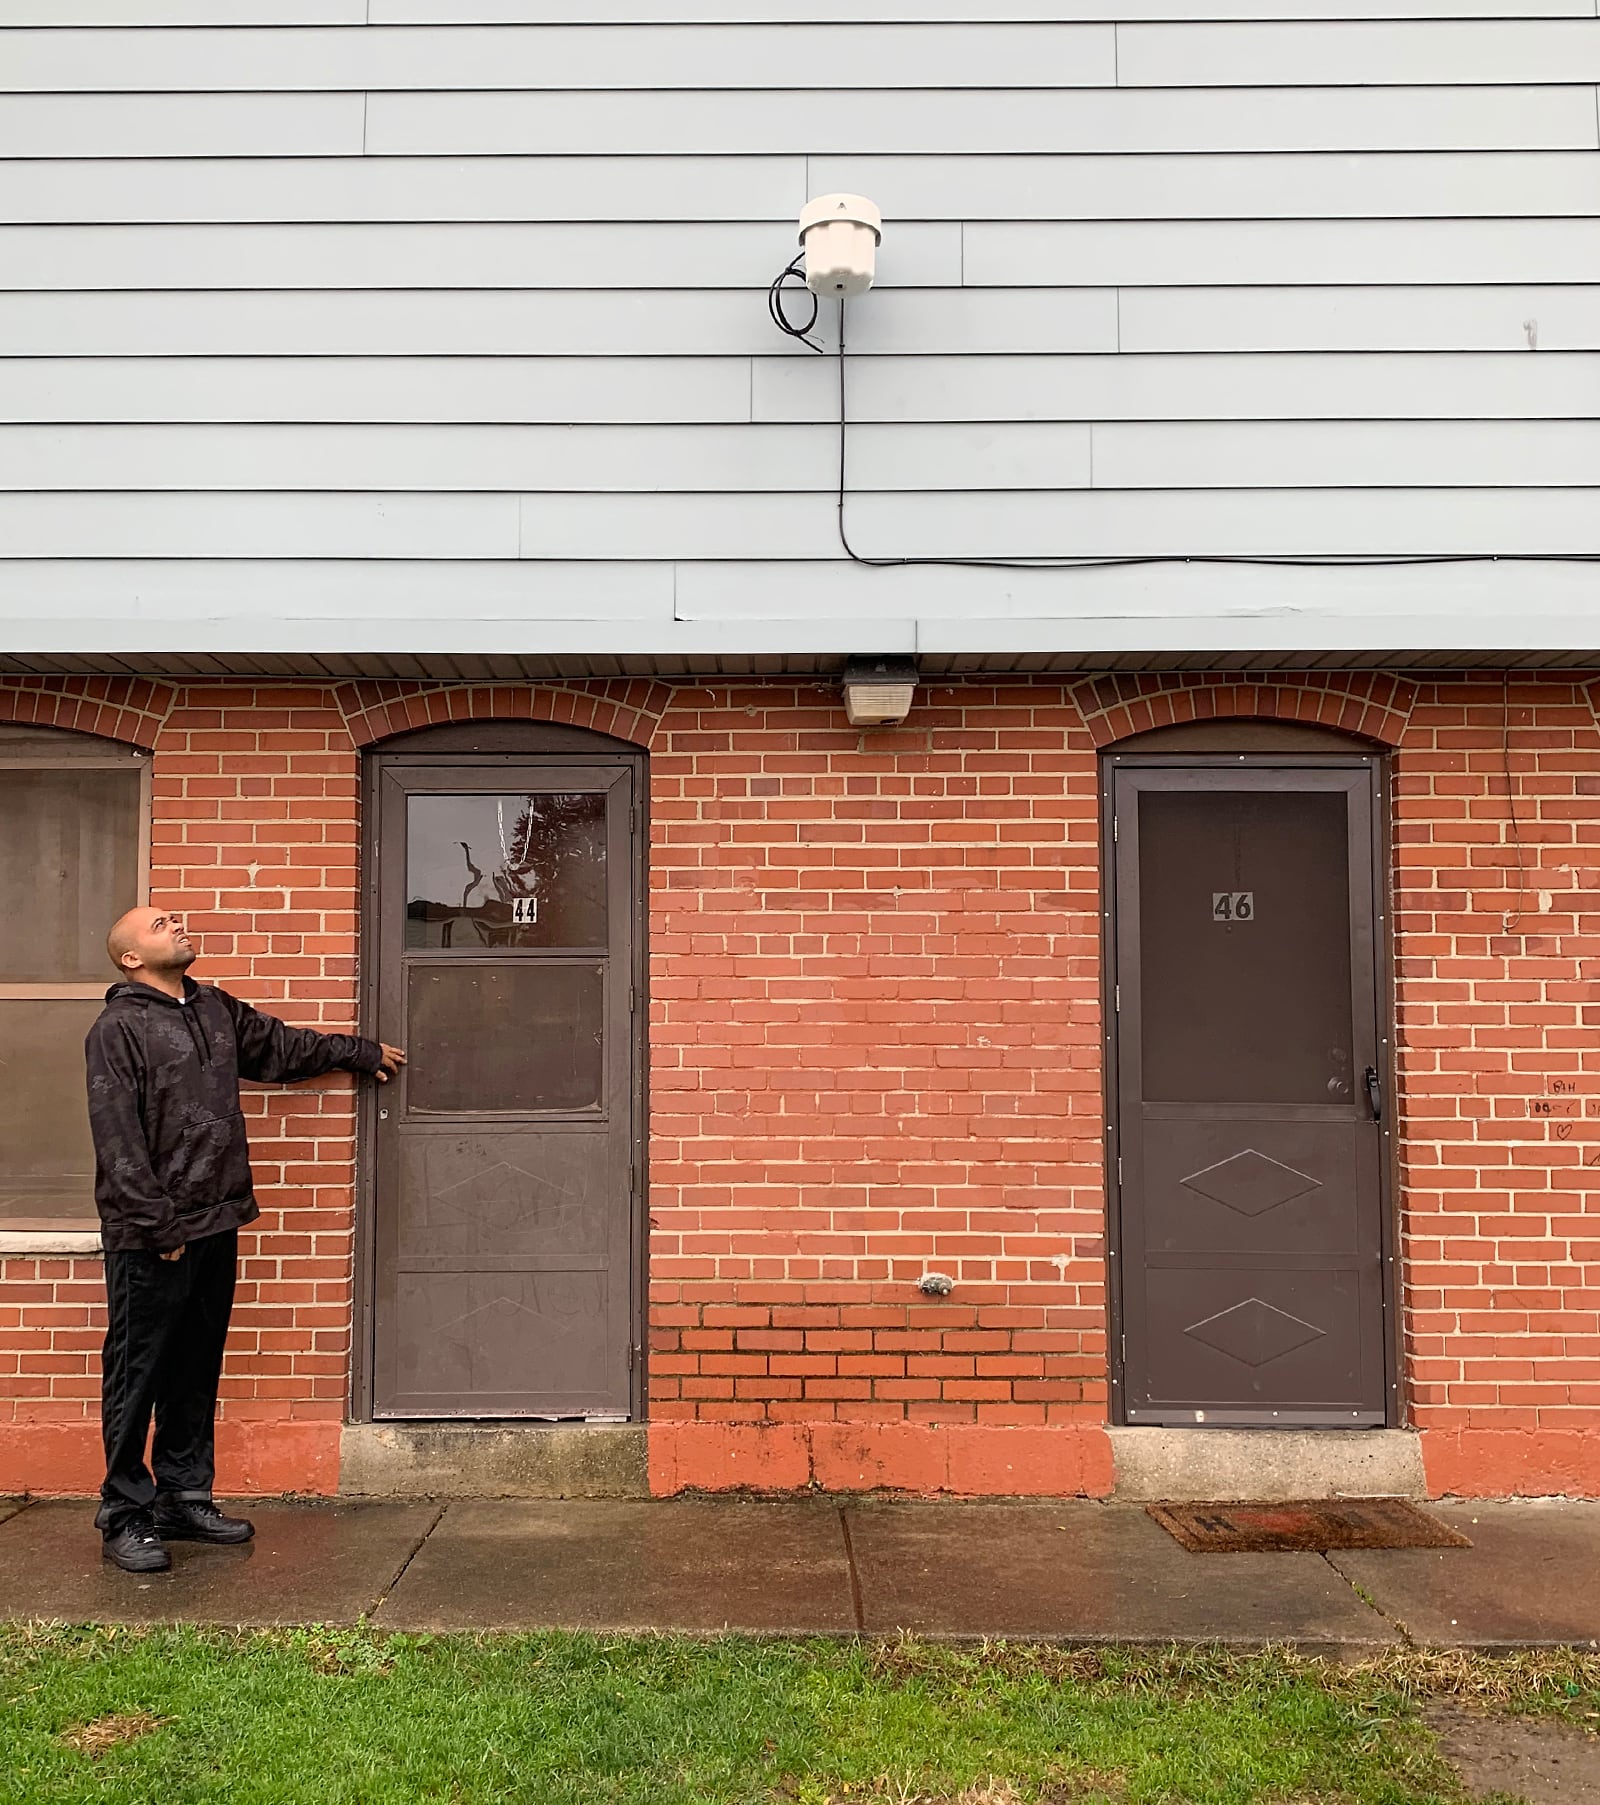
point(171, 1160)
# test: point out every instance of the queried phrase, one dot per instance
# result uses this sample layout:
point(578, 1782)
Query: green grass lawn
point(166, 1716)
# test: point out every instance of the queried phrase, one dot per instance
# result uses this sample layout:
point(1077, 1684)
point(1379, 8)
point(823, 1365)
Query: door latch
point(1374, 1093)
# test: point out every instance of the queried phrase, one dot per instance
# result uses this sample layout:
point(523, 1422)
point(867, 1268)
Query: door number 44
point(1233, 905)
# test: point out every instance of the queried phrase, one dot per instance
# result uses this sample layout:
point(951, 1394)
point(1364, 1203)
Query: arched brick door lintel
point(628, 710)
point(1374, 704)
point(130, 709)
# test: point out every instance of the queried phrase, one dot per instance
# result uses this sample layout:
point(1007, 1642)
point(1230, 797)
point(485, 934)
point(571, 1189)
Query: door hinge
point(1116, 829)
point(1119, 1168)
point(635, 1351)
point(1116, 999)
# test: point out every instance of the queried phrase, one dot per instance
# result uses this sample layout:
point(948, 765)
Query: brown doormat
point(1314, 1526)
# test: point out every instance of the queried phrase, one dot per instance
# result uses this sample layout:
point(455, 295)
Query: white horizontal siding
point(782, 606)
point(1347, 454)
point(65, 13)
point(703, 255)
point(1346, 52)
point(554, 389)
point(1039, 254)
point(1171, 523)
point(512, 12)
point(593, 322)
point(1028, 455)
point(344, 322)
point(1294, 386)
point(1192, 607)
point(316, 601)
point(797, 55)
point(819, 124)
point(1376, 185)
point(188, 125)
point(659, 527)
point(404, 189)
point(258, 526)
point(1427, 317)
point(684, 390)
point(61, 13)
point(1166, 187)
point(1030, 120)
point(603, 459)
point(537, 58)
point(1197, 254)
point(724, 323)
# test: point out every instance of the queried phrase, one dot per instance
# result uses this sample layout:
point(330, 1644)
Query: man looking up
point(173, 1188)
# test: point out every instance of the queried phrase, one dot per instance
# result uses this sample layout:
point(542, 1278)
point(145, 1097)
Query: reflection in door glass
point(506, 871)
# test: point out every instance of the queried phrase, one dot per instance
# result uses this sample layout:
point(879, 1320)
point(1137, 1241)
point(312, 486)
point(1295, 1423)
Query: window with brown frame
point(74, 853)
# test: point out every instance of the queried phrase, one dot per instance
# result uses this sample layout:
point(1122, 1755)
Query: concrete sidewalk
point(1072, 1571)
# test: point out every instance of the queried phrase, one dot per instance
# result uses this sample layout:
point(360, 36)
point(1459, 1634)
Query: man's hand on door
point(393, 1059)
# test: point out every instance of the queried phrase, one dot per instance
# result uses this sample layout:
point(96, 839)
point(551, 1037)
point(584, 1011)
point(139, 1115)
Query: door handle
point(1374, 1093)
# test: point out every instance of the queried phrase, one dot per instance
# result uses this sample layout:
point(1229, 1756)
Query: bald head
point(151, 946)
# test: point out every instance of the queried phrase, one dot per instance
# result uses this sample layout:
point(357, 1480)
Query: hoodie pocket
point(211, 1164)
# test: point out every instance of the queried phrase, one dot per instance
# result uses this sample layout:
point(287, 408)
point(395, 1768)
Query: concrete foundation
point(1267, 1464)
point(494, 1460)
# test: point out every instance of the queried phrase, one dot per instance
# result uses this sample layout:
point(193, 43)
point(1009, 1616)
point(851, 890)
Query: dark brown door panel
point(1242, 1341)
point(1241, 1183)
point(1249, 1165)
point(503, 1228)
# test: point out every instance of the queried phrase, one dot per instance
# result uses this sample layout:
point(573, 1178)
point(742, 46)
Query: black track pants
point(167, 1322)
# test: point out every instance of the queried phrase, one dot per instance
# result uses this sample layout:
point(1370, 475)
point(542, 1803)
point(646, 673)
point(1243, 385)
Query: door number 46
point(1233, 905)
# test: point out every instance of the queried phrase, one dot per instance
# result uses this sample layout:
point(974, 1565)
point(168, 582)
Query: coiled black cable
point(780, 319)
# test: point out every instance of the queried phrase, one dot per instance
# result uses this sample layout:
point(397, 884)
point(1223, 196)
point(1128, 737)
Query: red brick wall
point(875, 1049)
point(256, 836)
point(1499, 1059)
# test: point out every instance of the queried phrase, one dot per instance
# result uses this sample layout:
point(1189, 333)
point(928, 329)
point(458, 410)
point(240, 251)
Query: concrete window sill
point(70, 1238)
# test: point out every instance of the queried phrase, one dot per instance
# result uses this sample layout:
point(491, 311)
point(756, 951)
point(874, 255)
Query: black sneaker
point(199, 1520)
point(135, 1546)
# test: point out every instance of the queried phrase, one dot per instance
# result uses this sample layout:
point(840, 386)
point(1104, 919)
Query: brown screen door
point(503, 1156)
point(1249, 1087)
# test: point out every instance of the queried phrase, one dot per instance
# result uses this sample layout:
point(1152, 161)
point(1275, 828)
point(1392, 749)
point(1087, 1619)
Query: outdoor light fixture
point(840, 234)
point(878, 691)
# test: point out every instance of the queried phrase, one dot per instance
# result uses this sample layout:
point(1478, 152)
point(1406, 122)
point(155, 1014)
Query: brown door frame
point(510, 744)
point(1377, 765)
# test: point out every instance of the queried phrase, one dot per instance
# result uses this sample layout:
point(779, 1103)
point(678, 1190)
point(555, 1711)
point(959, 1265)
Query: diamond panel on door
point(1251, 1183)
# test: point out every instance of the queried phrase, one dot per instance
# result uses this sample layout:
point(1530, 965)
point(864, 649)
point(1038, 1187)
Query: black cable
point(775, 305)
point(1065, 562)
